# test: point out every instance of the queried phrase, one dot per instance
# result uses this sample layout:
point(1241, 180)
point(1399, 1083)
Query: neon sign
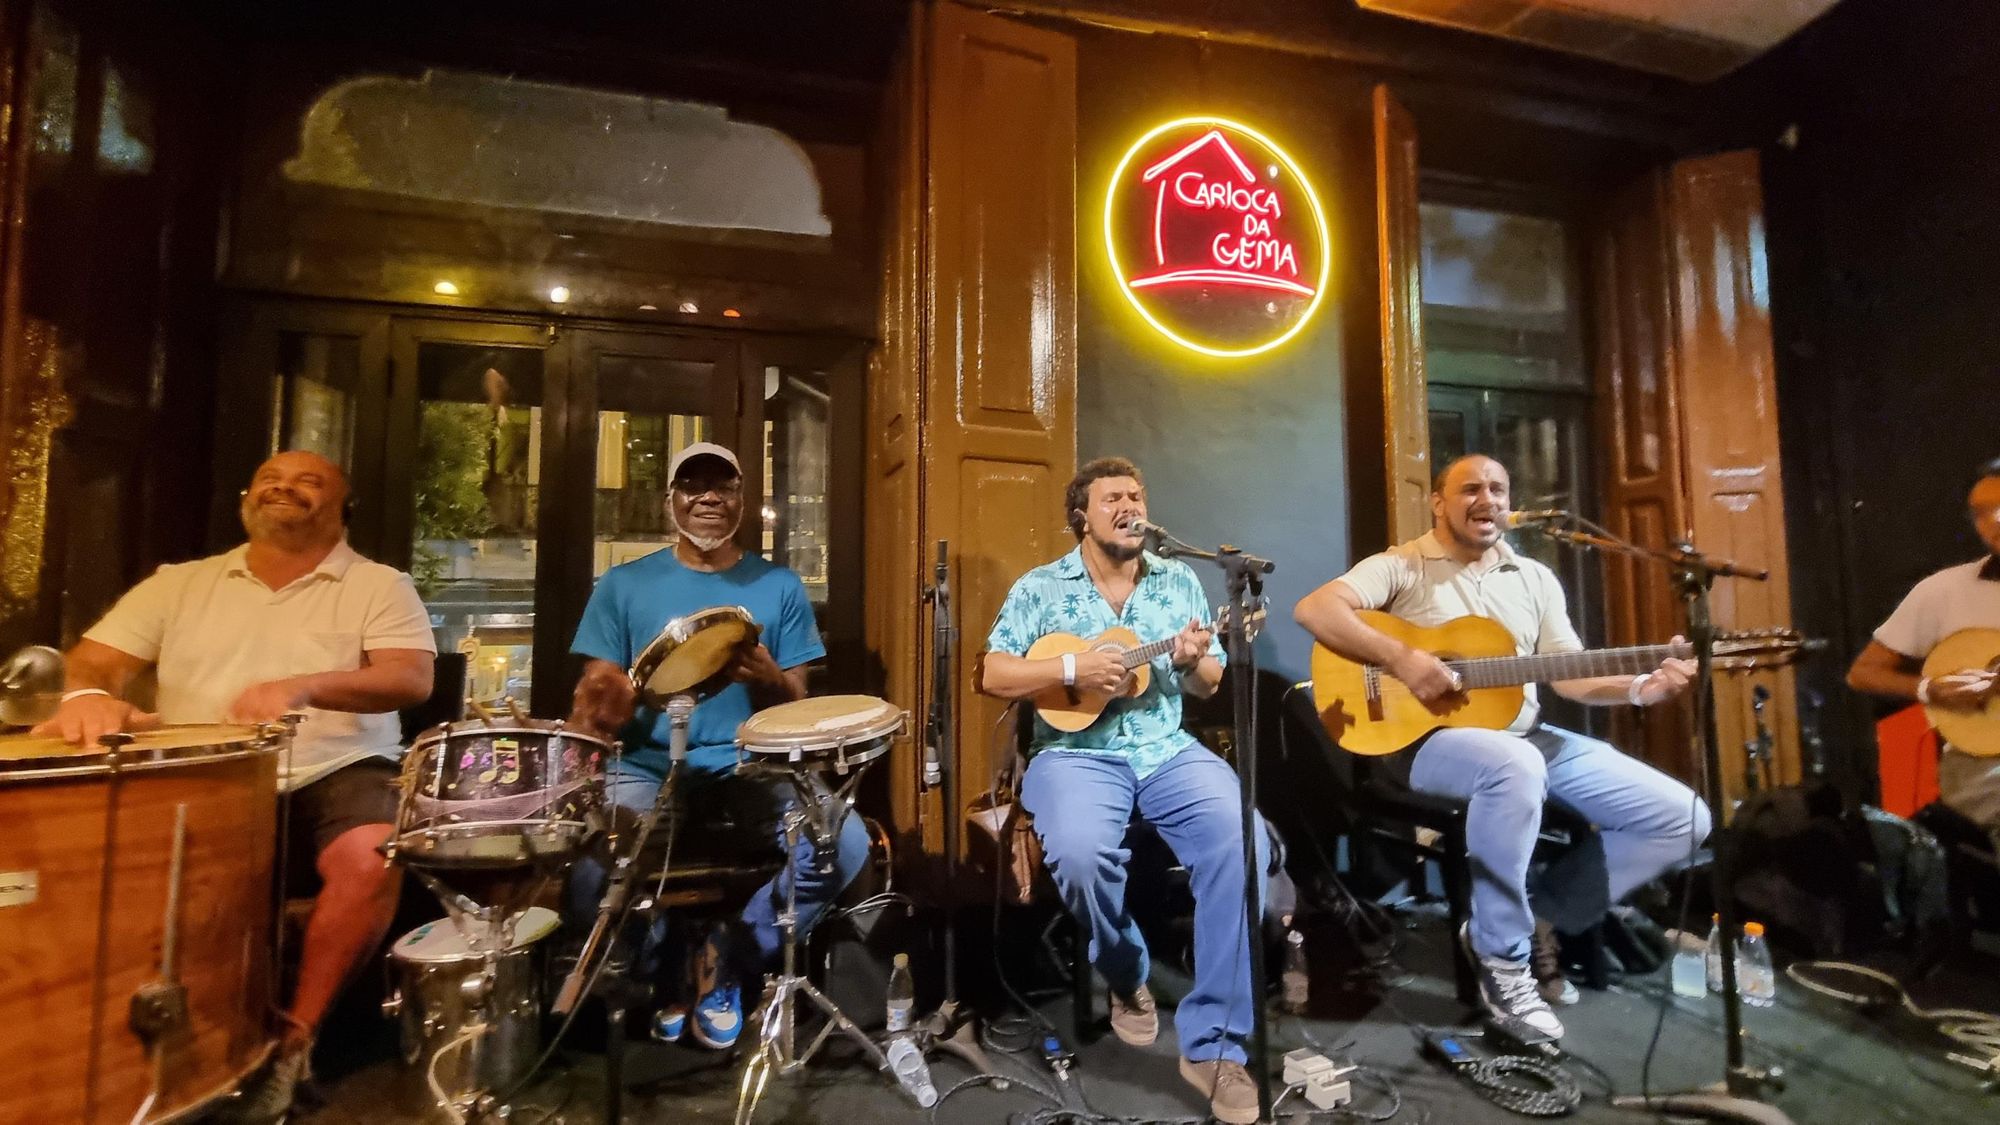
point(1215, 237)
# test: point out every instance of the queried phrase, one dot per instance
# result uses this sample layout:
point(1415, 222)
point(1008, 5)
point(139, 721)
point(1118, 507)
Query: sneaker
point(1231, 1093)
point(1135, 1019)
point(1508, 989)
point(1545, 957)
point(669, 1022)
point(718, 1018)
point(267, 1098)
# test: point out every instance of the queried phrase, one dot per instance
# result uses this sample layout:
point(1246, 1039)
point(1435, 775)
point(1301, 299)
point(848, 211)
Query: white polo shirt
point(213, 629)
point(1957, 597)
point(1421, 583)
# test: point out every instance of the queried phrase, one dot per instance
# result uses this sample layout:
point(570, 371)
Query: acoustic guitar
point(1071, 709)
point(1370, 712)
point(1968, 650)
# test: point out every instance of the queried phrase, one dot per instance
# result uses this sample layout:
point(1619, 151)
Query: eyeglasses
point(693, 488)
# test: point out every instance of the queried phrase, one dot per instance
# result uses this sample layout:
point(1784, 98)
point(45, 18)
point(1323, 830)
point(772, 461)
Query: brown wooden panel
point(1000, 397)
point(1728, 399)
point(1638, 425)
point(1399, 253)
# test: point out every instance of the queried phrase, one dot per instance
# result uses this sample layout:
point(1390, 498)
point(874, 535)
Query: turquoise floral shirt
point(1059, 597)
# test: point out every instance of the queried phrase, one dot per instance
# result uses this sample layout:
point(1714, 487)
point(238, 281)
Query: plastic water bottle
point(1296, 979)
point(1755, 978)
point(1712, 956)
point(1690, 961)
point(912, 1073)
point(902, 999)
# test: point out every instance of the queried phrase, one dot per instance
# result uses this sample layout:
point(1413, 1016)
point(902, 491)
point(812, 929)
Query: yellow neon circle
point(1319, 222)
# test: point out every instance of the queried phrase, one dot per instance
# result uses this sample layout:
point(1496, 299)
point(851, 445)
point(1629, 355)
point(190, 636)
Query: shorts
point(318, 814)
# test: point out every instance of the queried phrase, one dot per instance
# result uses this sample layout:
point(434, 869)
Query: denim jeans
point(1646, 823)
point(754, 807)
point(1082, 805)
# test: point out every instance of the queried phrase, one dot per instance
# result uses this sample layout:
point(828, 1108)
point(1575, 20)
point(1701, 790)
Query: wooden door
point(1399, 255)
point(973, 405)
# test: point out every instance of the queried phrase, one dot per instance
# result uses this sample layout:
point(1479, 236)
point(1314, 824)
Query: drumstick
point(485, 716)
point(514, 709)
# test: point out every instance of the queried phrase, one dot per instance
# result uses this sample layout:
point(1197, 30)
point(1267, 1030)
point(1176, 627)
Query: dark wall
point(1884, 231)
point(1247, 451)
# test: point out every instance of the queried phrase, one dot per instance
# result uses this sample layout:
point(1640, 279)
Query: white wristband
point(1069, 669)
point(1924, 690)
point(81, 692)
point(1633, 689)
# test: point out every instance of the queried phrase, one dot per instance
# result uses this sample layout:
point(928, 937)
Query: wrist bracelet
point(1633, 689)
point(1069, 669)
point(81, 692)
point(1924, 690)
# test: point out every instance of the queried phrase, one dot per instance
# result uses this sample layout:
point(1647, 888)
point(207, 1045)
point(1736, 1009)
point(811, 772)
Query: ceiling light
point(649, 308)
point(559, 294)
point(445, 289)
point(690, 308)
point(731, 313)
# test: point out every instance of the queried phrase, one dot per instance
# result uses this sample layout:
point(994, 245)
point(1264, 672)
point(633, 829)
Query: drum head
point(820, 723)
point(20, 749)
point(444, 941)
point(691, 654)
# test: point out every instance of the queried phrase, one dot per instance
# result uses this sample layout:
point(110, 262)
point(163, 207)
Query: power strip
point(1324, 1084)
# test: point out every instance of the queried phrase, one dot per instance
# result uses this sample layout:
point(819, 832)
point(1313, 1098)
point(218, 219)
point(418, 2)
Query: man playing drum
point(292, 621)
point(630, 606)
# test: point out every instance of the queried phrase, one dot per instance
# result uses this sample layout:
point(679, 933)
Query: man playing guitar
point(1083, 787)
point(1966, 596)
point(1646, 820)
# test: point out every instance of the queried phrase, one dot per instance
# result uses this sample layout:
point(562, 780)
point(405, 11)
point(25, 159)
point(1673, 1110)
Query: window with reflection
point(796, 454)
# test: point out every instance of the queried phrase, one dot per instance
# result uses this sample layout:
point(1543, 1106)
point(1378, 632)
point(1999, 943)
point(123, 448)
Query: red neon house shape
point(1224, 160)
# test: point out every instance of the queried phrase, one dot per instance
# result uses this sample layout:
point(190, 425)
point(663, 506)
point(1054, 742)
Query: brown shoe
point(1231, 1093)
point(1135, 1019)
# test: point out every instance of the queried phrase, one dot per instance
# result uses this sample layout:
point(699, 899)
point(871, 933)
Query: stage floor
point(1840, 1066)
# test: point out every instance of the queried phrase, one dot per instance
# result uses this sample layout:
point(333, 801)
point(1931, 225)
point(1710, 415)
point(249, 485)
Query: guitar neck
point(1509, 671)
point(1134, 657)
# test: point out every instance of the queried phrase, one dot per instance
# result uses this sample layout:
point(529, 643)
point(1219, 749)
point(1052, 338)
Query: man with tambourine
point(629, 608)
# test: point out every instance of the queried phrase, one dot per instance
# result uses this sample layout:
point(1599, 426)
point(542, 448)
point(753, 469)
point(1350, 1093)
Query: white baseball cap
point(701, 449)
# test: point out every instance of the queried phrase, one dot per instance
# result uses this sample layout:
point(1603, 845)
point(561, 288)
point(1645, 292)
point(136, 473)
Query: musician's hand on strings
point(1100, 671)
point(1434, 684)
point(270, 701)
point(1670, 679)
point(754, 665)
point(83, 720)
point(1191, 644)
point(604, 699)
point(1962, 691)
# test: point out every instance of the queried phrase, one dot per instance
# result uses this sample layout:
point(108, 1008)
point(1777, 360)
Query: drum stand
point(819, 813)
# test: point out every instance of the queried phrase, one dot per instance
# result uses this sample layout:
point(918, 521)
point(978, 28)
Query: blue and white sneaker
point(669, 1022)
point(718, 1018)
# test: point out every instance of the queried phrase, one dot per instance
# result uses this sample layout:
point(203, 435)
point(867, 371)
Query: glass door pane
point(798, 451)
point(649, 407)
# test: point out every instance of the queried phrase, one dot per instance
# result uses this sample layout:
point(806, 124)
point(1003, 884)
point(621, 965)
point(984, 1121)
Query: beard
point(704, 543)
point(1117, 550)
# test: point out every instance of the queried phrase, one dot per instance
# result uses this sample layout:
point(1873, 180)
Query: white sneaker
point(1509, 991)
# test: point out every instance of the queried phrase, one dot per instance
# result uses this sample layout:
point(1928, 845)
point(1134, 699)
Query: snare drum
point(95, 928)
point(471, 1016)
point(836, 732)
point(498, 795)
point(692, 654)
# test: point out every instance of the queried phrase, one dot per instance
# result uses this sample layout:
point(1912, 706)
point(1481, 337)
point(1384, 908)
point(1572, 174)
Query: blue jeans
point(757, 804)
point(1646, 823)
point(1082, 805)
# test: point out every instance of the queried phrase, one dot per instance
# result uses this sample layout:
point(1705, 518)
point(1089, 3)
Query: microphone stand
point(1737, 1097)
point(1244, 579)
point(950, 1027)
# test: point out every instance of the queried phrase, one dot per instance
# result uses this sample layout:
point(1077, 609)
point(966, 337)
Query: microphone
point(1542, 515)
point(1149, 529)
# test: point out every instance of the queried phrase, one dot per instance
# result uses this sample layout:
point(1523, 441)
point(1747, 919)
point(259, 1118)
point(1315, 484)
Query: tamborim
point(692, 653)
point(836, 732)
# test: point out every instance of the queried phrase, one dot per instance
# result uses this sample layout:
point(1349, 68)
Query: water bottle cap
point(1753, 929)
point(902, 960)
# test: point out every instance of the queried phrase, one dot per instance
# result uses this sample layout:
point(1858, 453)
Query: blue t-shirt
point(634, 601)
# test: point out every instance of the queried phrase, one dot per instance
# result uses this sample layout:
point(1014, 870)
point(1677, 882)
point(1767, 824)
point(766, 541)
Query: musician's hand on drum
point(604, 700)
point(1434, 684)
point(1100, 671)
point(1191, 644)
point(271, 700)
point(85, 719)
point(1962, 691)
point(1670, 679)
point(754, 665)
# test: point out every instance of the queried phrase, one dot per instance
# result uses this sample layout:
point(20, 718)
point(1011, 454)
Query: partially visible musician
point(629, 607)
point(1966, 596)
point(1646, 820)
point(1083, 788)
point(293, 620)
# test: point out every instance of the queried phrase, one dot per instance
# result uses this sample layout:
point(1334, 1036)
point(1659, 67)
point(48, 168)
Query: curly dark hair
point(1077, 495)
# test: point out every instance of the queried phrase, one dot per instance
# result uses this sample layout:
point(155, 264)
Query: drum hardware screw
point(392, 1005)
point(476, 988)
point(158, 1007)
